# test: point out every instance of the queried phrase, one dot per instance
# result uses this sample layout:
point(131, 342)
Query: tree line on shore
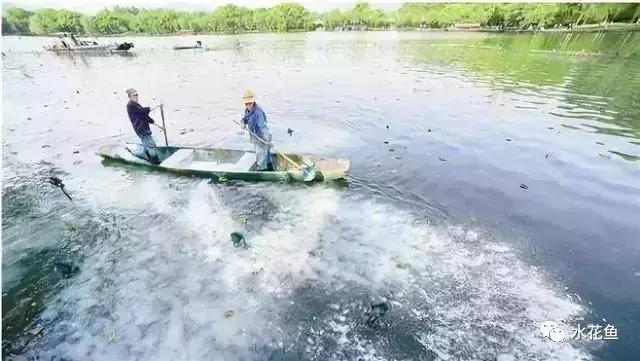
point(286, 17)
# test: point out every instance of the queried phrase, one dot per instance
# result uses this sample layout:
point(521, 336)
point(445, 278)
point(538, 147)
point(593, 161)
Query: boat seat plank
point(177, 159)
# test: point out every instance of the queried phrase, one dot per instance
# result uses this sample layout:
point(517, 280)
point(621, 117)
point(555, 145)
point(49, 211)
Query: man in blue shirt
point(255, 119)
point(140, 120)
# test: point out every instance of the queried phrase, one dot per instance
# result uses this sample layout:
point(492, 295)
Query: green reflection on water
point(595, 76)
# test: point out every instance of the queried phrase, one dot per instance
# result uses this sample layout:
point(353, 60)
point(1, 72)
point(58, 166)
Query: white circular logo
point(556, 334)
point(546, 327)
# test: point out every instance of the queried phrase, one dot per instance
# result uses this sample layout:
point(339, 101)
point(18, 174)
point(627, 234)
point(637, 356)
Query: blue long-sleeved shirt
point(257, 123)
point(139, 117)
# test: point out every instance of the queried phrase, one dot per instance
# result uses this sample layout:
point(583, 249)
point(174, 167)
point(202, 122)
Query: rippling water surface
point(495, 184)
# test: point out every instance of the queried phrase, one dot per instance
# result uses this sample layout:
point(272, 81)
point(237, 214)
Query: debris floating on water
point(240, 217)
point(385, 142)
point(429, 130)
point(508, 139)
point(442, 159)
point(57, 182)
point(71, 227)
point(76, 152)
point(228, 313)
point(387, 126)
point(600, 143)
point(46, 146)
point(524, 186)
point(238, 240)
point(290, 131)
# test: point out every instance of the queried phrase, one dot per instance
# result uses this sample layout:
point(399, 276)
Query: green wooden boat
point(227, 164)
point(186, 47)
point(197, 46)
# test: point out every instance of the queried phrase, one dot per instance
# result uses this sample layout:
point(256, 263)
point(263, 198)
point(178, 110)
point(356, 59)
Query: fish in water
point(67, 270)
point(378, 310)
point(57, 182)
point(238, 240)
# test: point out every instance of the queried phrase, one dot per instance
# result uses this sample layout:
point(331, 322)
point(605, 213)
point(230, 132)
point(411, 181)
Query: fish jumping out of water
point(57, 182)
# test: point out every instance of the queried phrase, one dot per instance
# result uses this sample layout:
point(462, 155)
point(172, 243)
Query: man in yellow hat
point(259, 134)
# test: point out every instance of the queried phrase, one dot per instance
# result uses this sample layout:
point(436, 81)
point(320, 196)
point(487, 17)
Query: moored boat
point(66, 46)
point(227, 164)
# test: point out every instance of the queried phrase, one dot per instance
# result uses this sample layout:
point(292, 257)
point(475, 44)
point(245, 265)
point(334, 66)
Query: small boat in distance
point(70, 44)
point(227, 164)
point(197, 46)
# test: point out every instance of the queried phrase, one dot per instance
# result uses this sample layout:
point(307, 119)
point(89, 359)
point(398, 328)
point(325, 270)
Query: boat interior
point(226, 160)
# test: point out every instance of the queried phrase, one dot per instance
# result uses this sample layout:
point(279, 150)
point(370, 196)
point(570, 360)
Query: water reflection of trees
point(589, 73)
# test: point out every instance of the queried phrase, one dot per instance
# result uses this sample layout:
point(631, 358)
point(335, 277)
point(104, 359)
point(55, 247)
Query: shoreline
point(617, 28)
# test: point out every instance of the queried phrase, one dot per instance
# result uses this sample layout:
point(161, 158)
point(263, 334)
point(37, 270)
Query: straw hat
point(248, 97)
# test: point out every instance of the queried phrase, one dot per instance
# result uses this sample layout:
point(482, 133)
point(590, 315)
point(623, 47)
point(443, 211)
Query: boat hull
point(186, 47)
point(79, 50)
point(227, 164)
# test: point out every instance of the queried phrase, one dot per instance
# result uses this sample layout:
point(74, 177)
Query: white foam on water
point(163, 290)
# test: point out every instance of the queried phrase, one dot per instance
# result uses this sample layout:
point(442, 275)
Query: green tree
point(111, 22)
point(290, 16)
point(46, 21)
point(496, 17)
point(158, 21)
point(16, 21)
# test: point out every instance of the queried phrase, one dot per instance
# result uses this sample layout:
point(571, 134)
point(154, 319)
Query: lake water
point(495, 184)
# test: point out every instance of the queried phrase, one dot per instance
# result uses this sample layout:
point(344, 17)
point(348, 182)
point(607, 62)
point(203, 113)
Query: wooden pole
point(164, 127)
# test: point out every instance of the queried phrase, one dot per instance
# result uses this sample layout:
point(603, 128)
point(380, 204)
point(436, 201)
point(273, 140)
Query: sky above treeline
point(93, 6)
